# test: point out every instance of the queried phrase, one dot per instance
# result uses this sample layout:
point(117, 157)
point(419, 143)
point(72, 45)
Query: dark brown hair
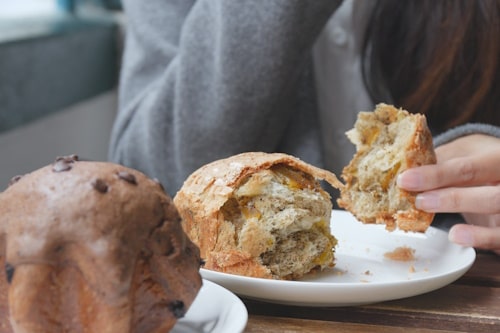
point(436, 57)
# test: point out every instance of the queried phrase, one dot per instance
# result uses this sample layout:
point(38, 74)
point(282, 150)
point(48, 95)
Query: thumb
point(485, 238)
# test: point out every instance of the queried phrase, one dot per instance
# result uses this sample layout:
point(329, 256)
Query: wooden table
point(471, 304)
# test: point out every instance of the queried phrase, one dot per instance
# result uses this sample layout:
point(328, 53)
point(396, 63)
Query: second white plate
point(362, 273)
point(215, 309)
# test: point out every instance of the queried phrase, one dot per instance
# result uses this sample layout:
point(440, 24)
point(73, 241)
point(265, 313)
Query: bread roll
point(94, 247)
point(388, 141)
point(260, 215)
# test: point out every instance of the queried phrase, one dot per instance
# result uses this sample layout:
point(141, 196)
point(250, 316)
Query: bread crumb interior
point(380, 152)
point(282, 216)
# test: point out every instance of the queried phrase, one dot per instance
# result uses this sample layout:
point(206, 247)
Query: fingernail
point(410, 180)
point(427, 201)
point(461, 236)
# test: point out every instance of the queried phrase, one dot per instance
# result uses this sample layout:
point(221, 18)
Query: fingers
point(479, 237)
point(462, 171)
point(482, 200)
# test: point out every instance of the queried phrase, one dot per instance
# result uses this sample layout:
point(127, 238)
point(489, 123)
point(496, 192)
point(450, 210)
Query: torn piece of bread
point(388, 141)
point(260, 215)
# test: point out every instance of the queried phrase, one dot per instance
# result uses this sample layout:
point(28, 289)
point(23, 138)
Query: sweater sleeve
point(206, 79)
point(467, 129)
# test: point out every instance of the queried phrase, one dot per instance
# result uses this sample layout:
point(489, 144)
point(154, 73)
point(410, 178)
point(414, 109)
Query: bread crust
point(205, 192)
point(416, 150)
point(94, 247)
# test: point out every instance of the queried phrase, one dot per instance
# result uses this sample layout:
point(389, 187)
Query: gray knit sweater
point(203, 80)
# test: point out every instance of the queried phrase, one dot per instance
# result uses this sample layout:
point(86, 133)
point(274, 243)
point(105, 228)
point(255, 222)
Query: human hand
point(466, 180)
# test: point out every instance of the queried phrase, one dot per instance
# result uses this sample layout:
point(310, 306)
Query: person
point(203, 80)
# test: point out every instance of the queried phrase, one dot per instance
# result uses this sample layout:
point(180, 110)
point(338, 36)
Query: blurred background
point(59, 65)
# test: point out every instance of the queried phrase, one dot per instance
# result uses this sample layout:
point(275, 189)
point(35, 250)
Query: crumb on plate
point(402, 253)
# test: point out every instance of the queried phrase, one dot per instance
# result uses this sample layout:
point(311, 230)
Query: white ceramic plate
point(215, 309)
point(362, 273)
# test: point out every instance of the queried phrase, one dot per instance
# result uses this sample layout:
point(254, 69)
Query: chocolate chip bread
point(388, 141)
point(94, 247)
point(260, 215)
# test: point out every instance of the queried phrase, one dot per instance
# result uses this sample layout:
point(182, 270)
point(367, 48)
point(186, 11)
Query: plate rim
point(235, 311)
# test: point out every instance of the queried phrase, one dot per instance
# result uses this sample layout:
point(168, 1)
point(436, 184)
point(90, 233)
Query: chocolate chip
point(100, 185)
point(169, 250)
point(177, 308)
point(14, 180)
point(72, 157)
point(127, 176)
point(61, 166)
point(9, 271)
point(64, 163)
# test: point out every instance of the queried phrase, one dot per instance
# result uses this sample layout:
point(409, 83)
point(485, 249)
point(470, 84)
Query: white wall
point(81, 129)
